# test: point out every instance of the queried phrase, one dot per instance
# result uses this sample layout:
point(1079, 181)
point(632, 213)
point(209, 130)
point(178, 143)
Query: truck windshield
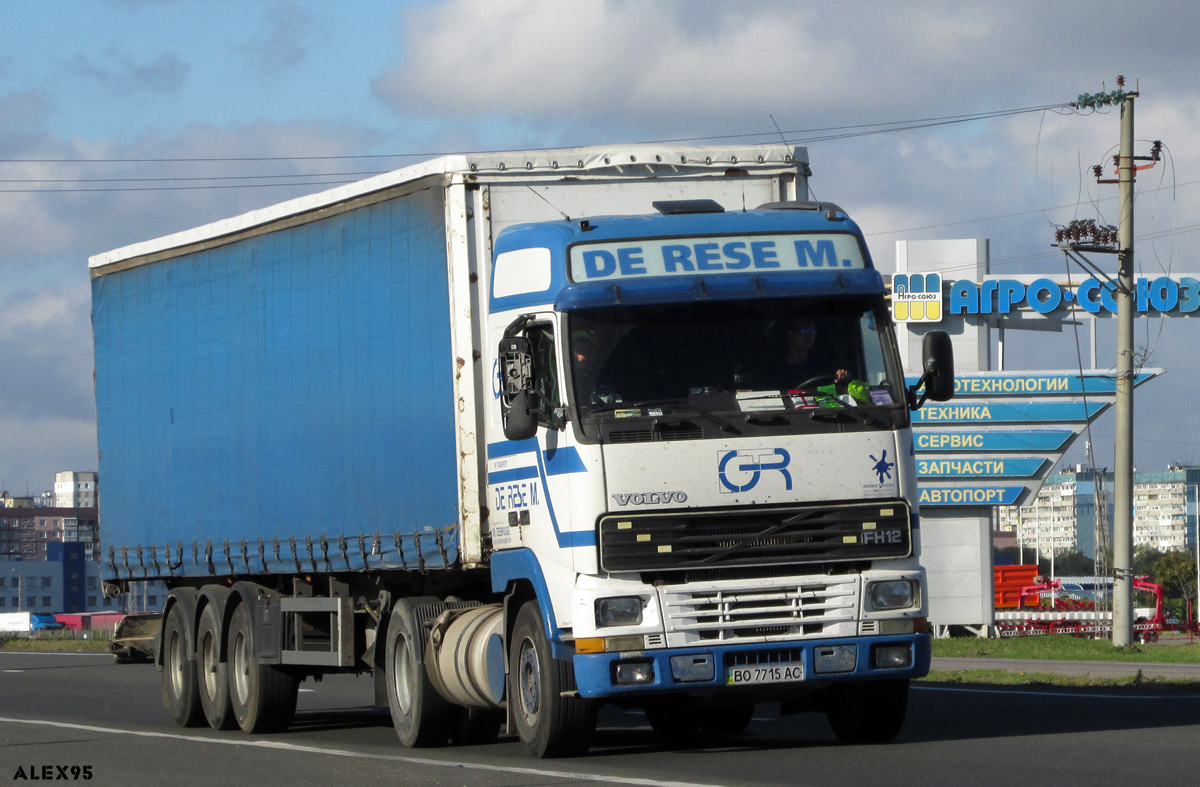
point(747, 356)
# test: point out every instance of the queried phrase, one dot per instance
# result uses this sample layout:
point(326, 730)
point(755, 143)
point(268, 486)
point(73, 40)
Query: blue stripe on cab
point(515, 474)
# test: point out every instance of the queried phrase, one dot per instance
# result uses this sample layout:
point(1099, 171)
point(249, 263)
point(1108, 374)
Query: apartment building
point(1063, 517)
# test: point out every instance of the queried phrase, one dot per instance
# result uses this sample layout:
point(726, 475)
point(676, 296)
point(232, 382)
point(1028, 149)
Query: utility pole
point(1123, 452)
point(1086, 236)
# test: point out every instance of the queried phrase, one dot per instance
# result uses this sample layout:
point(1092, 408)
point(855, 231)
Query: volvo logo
point(650, 498)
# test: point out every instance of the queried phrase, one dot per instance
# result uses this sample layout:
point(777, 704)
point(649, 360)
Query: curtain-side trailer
point(520, 434)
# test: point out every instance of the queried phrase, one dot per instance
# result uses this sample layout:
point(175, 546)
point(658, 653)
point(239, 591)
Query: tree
point(1072, 563)
point(1144, 560)
point(1176, 572)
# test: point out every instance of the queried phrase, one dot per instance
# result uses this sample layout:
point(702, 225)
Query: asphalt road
point(81, 711)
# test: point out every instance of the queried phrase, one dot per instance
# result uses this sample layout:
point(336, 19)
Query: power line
point(178, 188)
point(368, 173)
point(1020, 213)
point(854, 130)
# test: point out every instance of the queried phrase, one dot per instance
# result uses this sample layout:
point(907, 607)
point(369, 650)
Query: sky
point(126, 120)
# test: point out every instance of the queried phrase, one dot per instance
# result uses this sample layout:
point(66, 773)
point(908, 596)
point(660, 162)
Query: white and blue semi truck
point(520, 434)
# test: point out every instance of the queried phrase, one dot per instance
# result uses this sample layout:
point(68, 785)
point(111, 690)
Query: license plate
point(771, 673)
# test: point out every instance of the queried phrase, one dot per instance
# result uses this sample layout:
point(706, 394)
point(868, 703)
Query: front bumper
point(703, 669)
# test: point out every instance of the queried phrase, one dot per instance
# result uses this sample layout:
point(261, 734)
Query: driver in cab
point(802, 367)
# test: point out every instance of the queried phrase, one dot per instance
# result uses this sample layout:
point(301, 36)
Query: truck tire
point(551, 718)
point(212, 673)
point(262, 696)
point(869, 712)
point(421, 716)
point(726, 719)
point(180, 691)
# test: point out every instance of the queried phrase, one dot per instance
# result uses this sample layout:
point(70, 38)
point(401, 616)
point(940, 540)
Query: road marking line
point(1062, 694)
point(260, 744)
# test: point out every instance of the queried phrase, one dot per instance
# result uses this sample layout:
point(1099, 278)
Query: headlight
point(894, 594)
point(623, 611)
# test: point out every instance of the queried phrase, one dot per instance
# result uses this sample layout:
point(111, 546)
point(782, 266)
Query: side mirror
point(516, 392)
point(937, 360)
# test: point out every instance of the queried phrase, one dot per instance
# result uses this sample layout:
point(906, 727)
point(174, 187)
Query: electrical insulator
point(1156, 150)
point(1120, 80)
point(1098, 170)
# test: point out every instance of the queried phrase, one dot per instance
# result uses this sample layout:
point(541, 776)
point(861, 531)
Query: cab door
point(530, 480)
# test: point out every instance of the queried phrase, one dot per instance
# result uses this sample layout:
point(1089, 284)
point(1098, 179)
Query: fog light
point(892, 657)
point(894, 594)
point(633, 673)
point(835, 658)
point(623, 611)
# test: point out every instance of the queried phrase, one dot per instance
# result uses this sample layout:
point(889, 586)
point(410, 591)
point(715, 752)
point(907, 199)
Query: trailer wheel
point(213, 673)
point(421, 716)
point(551, 718)
point(726, 719)
point(262, 696)
point(869, 712)
point(180, 691)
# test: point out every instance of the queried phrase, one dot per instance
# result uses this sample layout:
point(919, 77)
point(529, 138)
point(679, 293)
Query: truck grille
point(808, 607)
point(680, 540)
point(685, 430)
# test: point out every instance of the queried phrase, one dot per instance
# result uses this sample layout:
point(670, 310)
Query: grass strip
point(1048, 680)
point(1063, 647)
point(55, 644)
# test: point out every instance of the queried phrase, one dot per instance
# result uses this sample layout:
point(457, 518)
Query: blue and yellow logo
point(917, 297)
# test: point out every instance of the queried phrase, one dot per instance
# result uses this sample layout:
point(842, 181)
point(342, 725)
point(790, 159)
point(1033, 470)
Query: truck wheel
point(213, 673)
point(871, 712)
point(180, 691)
point(672, 717)
point(262, 696)
point(421, 716)
point(551, 718)
point(726, 719)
